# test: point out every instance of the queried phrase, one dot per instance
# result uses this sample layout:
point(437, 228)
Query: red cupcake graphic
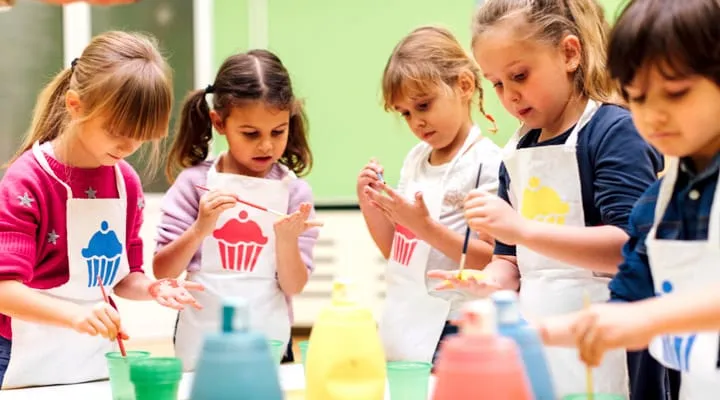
point(404, 243)
point(240, 242)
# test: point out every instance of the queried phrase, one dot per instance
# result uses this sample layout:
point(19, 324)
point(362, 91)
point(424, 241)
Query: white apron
point(683, 266)
point(238, 259)
point(412, 320)
point(49, 355)
point(545, 186)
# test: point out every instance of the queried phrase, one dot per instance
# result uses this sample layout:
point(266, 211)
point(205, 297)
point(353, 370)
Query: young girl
point(430, 81)
point(231, 248)
point(570, 175)
point(664, 53)
point(71, 214)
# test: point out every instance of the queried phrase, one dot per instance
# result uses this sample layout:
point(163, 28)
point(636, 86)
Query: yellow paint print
point(542, 203)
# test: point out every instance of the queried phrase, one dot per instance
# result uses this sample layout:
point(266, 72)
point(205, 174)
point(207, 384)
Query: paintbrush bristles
point(463, 258)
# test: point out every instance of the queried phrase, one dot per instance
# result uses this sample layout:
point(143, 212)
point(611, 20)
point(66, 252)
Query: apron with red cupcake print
point(238, 260)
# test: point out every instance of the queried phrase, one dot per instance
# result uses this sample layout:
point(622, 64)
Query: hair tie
point(209, 89)
point(73, 63)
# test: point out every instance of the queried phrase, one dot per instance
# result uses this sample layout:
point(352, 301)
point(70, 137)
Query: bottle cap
point(341, 292)
point(508, 309)
point(235, 315)
point(479, 318)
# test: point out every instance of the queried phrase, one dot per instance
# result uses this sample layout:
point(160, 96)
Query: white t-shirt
point(460, 181)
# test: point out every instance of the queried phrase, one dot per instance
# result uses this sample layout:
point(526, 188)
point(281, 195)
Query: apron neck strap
point(667, 187)
point(590, 109)
point(40, 157)
point(474, 136)
point(213, 170)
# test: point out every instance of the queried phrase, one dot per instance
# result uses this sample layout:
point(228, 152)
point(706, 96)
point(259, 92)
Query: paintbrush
point(463, 256)
point(107, 300)
point(259, 207)
point(588, 371)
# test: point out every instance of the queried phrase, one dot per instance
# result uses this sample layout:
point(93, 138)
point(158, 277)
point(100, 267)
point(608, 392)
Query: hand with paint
point(413, 215)
point(475, 282)
point(292, 226)
point(370, 176)
point(212, 204)
point(599, 329)
point(492, 215)
point(175, 294)
point(102, 319)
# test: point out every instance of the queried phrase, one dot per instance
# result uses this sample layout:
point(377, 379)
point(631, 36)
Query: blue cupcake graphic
point(103, 255)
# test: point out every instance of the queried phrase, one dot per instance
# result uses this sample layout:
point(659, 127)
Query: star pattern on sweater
point(141, 203)
point(26, 200)
point(91, 193)
point(53, 237)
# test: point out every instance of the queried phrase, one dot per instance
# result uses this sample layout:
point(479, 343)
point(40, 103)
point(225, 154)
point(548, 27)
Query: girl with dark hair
point(235, 249)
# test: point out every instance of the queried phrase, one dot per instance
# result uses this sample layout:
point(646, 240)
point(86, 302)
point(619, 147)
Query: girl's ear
point(217, 122)
point(466, 85)
point(73, 104)
point(571, 52)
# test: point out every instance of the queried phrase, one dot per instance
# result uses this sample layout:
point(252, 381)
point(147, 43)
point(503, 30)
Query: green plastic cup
point(599, 396)
point(156, 378)
point(119, 373)
point(408, 380)
point(303, 351)
point(277, 348)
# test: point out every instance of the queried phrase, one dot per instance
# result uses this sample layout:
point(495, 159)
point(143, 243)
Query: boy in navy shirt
point(666, 55)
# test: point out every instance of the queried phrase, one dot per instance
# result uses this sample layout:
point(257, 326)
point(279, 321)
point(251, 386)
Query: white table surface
point(292, 378)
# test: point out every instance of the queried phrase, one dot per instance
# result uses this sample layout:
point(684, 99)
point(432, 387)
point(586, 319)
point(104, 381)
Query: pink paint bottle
point(478, 363)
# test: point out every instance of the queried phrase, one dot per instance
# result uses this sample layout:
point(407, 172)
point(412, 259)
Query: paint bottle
point(478, 363)
point(345, 357)
point(511, 325)
point(236, 360)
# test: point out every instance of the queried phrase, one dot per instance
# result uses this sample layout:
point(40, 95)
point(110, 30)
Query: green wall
point(335, 52)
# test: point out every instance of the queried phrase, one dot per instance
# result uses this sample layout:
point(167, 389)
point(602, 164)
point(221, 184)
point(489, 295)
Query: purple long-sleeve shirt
point(180, 205)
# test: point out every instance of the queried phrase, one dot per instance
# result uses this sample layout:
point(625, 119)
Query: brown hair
point(551, 21)
point(428, 58)
point(121, 76)
point(678, 37)
point(257, 75)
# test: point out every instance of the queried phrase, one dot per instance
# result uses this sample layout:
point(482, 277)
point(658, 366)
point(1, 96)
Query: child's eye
point(405, 114)
point(497, 85)
point(278, 132)
point(251, 135)
point(423, 106)
point(519, 77)
point(677, 94)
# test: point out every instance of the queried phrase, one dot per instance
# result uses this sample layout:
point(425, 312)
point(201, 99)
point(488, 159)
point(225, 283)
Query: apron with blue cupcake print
point(49, 355)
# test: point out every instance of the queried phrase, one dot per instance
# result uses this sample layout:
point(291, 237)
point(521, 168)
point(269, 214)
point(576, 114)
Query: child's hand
point(212, 204)
point(293, 225)
point(412, 215)
point(492, 215)
point(558, 330)
point(175, 294)
point(482, 287)
point(369, 176)
point(605, 327)
point(102, 319)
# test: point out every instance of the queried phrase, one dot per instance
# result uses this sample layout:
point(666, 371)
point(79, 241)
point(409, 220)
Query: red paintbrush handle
point(121, 345)
point(239, 200)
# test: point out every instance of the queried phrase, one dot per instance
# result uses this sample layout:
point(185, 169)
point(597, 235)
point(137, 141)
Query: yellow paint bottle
point(345, 357)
